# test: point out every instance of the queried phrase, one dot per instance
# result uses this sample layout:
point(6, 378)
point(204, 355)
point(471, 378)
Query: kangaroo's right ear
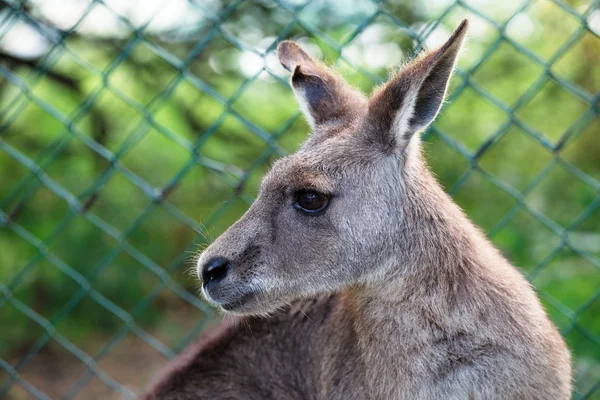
point(411, 100)
point(322, 95)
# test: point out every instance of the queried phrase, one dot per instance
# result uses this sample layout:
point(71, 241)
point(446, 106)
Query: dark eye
point(310, 201)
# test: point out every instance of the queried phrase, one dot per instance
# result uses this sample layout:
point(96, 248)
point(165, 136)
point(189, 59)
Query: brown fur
point(391, 292)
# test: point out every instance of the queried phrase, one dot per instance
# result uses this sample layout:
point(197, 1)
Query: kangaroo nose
point(215, 270)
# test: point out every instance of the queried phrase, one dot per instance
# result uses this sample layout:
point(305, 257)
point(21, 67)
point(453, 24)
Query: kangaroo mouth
point(238, 304)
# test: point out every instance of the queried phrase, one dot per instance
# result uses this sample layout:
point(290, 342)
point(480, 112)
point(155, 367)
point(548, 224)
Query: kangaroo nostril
point(215, 270)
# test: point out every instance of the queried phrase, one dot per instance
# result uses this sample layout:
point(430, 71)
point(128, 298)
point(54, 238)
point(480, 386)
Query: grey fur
point(392, 293)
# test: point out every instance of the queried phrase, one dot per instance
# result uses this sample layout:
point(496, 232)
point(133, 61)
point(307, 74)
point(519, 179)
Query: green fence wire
point(105, 126)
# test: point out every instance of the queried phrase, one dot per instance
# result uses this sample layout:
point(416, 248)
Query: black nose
point(214, 270)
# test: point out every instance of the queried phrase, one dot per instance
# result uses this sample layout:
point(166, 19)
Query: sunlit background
point(134, 132)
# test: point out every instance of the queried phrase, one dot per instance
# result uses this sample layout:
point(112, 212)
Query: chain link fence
point(133, 132)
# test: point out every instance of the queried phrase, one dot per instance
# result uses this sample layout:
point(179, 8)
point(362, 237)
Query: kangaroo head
point(330, 216)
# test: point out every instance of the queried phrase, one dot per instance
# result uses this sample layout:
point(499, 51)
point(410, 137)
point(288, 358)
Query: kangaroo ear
point(323, 96)
point(411, 100)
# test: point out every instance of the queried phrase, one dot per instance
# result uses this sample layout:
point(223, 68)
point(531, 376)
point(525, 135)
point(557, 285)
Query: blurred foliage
point(162, 136)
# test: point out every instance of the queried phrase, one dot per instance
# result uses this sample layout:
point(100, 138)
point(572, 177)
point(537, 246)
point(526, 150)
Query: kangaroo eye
point(310, 201)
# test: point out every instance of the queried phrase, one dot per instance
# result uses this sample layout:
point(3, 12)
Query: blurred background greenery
point(133, 132)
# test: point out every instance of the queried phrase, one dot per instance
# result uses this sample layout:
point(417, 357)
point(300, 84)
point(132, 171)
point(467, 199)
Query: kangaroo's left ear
point(324, 97)
point(411, 100)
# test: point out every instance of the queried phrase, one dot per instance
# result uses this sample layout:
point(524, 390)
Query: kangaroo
point(355, 276)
